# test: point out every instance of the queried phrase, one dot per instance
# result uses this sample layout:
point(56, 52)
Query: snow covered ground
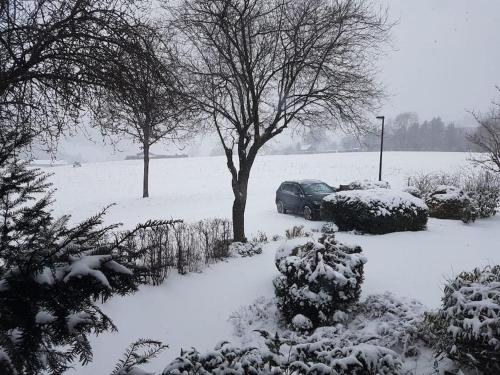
point(193, 310)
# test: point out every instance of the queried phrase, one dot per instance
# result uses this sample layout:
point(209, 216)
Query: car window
point(290, 188)
point(317, 188)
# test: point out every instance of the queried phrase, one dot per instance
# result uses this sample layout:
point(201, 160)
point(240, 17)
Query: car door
point(295, 197)
point(285, 195)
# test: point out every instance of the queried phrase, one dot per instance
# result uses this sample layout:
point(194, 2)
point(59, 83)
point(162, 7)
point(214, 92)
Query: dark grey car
point(302, 197)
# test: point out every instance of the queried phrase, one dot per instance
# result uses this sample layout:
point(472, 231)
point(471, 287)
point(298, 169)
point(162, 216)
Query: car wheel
point(281, 207)
point(308, 214)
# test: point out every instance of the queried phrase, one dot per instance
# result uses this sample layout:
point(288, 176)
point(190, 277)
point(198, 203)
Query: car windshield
point(317, 188)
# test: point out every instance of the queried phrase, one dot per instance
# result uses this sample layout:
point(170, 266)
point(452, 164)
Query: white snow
point(193, 310)
point(384, 200)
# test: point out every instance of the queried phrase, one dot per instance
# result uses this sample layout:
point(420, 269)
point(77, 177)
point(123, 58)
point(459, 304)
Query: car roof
point(303, 182)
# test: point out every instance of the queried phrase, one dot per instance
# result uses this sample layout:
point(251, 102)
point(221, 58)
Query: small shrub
point(329, 228)
point(247, 249)
point(413, 191)
point(396, 322)
point(364, 185)
point(450, 202)
point(483, 189)
point(296, 231)
point(467, 326)
point(261, 237)
point(376, 211)
point(317, 279)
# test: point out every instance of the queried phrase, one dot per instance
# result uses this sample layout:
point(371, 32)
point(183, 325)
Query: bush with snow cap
point(245, 249)
point(376, 211)
point(317, 278)
point(450, 202)
point(467, 326)
point(364, 185)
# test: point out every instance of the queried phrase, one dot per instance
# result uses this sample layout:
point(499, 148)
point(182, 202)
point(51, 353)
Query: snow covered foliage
point(450, 202)
point(317, 278)
point(481, 187)
point(52, 275)
point(287, 357)
point(138, 353)
point(247, 249)
point(364, 185)
point(376, 211)
point(389, 321)
point(467, 326)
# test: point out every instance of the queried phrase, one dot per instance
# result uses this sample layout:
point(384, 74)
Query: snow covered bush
point(482, 188)
point(53, 277)
point(376, 211)
point(413, 191)
point(245, 249)
point(364, 185)
point(450, 202)
point(317, 278)
point(296, 231)
point(467, 326)
point(389, 321)
point(284, 357)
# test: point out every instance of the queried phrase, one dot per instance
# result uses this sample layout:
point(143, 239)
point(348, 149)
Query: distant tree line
point(406, 133)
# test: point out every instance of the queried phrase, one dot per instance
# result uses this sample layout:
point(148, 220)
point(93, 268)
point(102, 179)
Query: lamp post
point(381, 147)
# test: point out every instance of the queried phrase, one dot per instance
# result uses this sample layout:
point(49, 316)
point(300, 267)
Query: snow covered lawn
point(193, 310)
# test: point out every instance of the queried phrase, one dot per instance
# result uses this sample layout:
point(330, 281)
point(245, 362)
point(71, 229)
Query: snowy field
point(193, 310)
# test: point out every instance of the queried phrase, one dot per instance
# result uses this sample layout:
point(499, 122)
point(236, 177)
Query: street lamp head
point(380, 117)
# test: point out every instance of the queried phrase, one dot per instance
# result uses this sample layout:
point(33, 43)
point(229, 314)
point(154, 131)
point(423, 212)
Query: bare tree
point(143, 99)
point(258, 67)
point(487, 139)
point(51, 58)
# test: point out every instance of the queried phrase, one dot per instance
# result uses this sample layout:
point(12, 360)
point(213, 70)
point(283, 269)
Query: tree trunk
point(239, 204)
point(145, 180)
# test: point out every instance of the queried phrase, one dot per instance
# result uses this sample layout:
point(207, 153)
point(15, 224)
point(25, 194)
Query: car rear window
point(317, 188)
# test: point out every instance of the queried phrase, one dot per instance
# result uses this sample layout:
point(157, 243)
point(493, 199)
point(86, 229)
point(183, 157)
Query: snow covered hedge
point(376, 211)
point(364, 185)
point(185, 247)
point(284, 357)
point(450, 202)
point(317, 279)
point(467, 326)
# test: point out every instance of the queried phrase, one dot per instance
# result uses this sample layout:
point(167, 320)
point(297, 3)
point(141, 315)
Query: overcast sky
point(444, 59)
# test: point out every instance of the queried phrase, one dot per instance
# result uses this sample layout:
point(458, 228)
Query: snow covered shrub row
point(467, 326)
point(284, 357)
point(482, 188)
point(450, 202)
point(364, 185)
point(184, 247)
point(376, 211)
point(317, 279)
point(247, 249)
